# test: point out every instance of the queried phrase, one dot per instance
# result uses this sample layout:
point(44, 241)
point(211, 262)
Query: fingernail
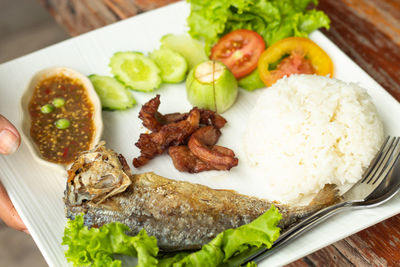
point(26, 232)
point(8, 142)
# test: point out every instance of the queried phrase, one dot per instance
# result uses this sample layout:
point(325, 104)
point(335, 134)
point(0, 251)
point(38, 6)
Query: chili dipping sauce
point(61, 131)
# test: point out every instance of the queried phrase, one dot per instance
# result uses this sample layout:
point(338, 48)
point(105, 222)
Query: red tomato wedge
point(239, 51)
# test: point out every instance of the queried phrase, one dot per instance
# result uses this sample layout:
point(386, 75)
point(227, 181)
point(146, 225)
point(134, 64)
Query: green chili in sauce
point(61, 145)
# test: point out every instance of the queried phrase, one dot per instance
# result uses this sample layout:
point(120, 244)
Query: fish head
point(96, 175)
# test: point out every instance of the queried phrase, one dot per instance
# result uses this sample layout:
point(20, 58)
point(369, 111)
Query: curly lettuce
point(99, 246)
point(263, 231)
point(272, 19)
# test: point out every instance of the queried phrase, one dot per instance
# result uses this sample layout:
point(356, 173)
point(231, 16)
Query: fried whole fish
point(181, 215)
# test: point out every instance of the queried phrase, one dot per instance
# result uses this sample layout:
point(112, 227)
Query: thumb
point(9, 137)
point(8, 213)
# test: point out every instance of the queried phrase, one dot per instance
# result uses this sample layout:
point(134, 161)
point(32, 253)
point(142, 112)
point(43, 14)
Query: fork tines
point(383, 161)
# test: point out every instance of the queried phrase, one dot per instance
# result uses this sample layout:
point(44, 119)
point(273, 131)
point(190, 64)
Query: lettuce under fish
point(98, 246)
point(263, 231)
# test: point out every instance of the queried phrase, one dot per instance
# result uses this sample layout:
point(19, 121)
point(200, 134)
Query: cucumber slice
point(113, 95)
point(185, 45)
point(136, 71)
point(173, 66)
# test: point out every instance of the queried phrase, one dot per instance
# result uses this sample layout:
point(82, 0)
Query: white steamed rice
point(307, 131)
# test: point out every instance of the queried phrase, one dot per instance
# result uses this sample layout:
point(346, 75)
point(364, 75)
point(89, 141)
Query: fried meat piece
point(150, 116)
point(154, 120)
point(208, 135)
point(209, 117)
point(185, 161)
point(175, 129)
point(156, 143)
point(174, 117)
point(202, 146)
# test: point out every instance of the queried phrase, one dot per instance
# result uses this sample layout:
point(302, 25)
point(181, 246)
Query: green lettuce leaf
point(263, 231)
point(252, 81)
point(96, 246)
point(272, 19)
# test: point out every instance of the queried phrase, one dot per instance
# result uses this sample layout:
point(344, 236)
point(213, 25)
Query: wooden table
point(366, 30)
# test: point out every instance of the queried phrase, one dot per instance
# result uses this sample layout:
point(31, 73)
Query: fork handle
point(299, 228)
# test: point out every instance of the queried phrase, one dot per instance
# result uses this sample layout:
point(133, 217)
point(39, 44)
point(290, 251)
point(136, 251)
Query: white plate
point(37, 190)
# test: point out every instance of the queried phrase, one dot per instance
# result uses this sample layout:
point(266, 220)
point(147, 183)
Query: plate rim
point(17, 199)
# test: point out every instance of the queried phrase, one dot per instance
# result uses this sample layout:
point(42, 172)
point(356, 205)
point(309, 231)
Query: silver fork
point(378, 184)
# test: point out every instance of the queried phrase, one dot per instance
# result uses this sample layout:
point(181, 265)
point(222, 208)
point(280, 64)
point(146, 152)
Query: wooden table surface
point(368, 31)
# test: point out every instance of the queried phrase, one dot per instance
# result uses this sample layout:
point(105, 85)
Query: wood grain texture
point(360, 39)
point(368, 31)
point(377, 245)
point(79, 16)
point(384, 14)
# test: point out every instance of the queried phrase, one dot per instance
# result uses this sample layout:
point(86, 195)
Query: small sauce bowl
point(26, 120)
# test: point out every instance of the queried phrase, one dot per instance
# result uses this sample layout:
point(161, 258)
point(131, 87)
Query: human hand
point(9, 143)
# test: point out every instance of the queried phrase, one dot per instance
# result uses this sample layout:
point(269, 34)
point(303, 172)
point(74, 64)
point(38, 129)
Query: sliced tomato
point(239, 51)
point(293, 55)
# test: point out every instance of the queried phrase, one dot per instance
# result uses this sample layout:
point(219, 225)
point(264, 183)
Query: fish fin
point(326, 196)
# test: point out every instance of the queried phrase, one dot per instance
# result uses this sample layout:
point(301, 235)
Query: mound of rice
point(307, 131)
